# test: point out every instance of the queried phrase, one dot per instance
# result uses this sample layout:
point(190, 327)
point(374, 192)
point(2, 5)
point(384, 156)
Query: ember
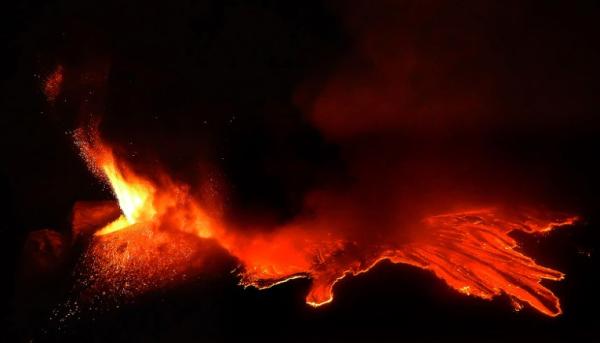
point(53, 84)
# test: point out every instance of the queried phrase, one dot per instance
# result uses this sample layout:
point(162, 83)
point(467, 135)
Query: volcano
point(324, 171)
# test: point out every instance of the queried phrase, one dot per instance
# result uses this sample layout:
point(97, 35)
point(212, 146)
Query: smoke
point(416, 68)
point(432, 68)
point(420, 106)
point(376, 116)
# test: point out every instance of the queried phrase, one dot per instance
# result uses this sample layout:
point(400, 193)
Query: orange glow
point(164, 232)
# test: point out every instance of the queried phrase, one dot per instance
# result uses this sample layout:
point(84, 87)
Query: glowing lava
point(164, 231)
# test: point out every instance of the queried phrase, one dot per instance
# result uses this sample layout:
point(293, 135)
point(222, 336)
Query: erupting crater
point(164, 232)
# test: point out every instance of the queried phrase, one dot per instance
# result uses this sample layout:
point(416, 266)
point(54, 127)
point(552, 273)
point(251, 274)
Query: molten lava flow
point(472, 251)
point(164, 231)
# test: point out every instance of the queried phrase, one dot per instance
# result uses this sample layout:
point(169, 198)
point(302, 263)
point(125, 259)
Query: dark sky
point(280, 98)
